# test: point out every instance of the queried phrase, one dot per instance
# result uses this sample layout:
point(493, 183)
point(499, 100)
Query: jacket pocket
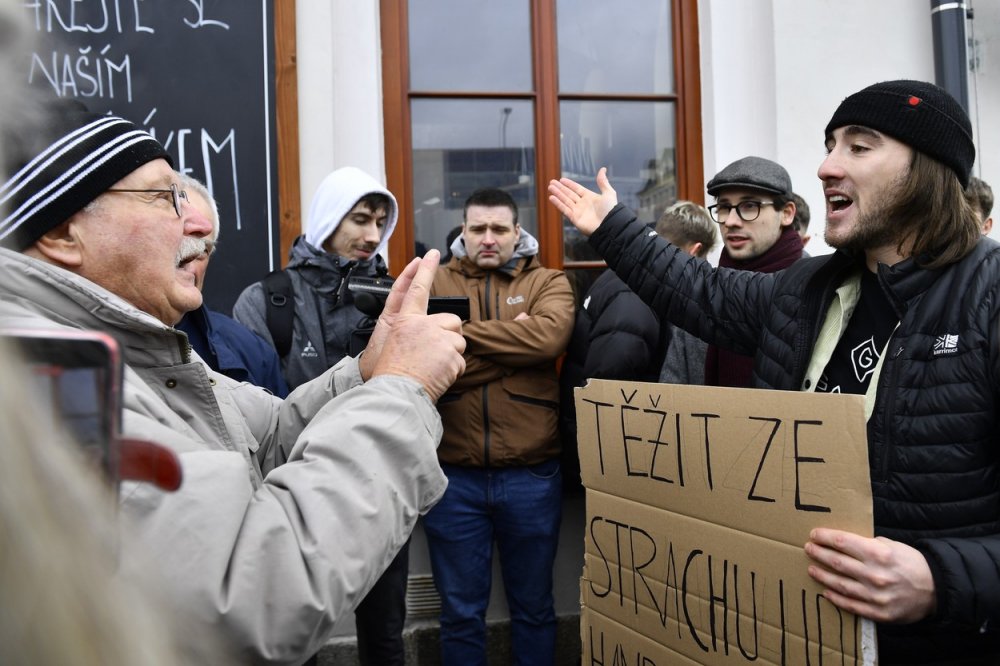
point(532, 390)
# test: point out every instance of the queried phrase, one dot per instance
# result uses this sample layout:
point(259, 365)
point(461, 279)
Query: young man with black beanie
point(905, 312)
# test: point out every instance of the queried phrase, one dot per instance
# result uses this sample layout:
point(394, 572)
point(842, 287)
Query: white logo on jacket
point(514, 300)
point(945, 344)
point(309, 351)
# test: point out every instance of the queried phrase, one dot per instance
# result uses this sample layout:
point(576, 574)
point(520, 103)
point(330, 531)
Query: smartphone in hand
point(77, 377)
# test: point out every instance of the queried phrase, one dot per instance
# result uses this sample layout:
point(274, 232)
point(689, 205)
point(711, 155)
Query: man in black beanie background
point(906, 312)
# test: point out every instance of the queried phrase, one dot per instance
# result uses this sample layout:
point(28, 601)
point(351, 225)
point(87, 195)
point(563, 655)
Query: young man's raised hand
point(585, 208)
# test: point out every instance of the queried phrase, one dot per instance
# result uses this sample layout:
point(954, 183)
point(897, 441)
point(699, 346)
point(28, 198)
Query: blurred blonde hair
point(67, 597)
point(686, 223)
point(66, 600)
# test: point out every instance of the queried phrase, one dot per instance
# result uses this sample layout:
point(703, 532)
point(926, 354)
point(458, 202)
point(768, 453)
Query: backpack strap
point(279, 299)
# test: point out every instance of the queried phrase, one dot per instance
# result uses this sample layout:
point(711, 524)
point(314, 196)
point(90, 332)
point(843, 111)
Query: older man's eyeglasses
point(176, 195)
point(748, 211)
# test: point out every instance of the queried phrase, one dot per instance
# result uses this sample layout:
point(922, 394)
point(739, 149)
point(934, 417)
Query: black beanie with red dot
point(921, 115)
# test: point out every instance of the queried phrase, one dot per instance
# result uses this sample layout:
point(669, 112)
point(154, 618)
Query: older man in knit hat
point(351, 218)
point(98, 234)
point(905, 312)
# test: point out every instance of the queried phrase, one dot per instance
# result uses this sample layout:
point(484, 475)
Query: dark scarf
point(723, 367)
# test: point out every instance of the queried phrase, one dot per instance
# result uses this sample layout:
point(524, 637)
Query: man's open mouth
point(838, 202)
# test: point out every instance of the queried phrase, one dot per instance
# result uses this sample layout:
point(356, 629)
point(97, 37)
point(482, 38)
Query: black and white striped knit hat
point(92, 153)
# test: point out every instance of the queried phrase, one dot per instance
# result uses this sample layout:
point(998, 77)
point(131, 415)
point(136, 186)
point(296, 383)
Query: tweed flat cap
point(755, 173)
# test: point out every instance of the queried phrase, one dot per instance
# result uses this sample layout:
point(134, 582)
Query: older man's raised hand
point(410, 343)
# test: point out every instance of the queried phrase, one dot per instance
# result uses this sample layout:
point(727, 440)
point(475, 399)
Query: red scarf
point(723, 367)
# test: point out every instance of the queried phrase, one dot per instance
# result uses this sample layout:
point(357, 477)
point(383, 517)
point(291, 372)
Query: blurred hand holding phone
point(77, 378)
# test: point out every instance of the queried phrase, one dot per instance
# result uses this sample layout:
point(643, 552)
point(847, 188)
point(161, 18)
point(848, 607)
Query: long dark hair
point(933, 213)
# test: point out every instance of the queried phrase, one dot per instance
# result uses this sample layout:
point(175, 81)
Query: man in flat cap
point(755, 209)
point(289, 510)
point(907, 313)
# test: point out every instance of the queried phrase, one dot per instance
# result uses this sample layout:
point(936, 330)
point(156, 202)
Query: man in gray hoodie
point(351, 218)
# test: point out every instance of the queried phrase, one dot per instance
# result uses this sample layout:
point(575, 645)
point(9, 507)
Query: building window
point(512, 94)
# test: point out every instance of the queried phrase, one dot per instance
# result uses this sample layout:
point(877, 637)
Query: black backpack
point(279, 298)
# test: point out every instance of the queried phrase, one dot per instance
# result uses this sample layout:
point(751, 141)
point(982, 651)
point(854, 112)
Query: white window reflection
point(615, 47)
point(462, 45)
point(635, 141)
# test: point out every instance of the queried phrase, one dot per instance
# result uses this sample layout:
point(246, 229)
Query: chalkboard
point(200, 76)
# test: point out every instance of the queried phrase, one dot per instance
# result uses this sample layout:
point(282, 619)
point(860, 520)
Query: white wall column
point(738, 81)
point(339, 59)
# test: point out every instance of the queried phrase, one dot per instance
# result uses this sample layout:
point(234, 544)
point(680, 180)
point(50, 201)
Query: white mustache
point(190, 248)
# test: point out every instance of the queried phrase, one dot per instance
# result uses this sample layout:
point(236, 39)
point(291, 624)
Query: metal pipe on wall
point(951, 67)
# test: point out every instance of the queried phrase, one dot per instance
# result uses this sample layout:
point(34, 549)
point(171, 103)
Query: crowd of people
point(312, 434)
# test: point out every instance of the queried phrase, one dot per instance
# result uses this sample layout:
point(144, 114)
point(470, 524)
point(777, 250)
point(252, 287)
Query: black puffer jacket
point(615, 336)
point(934, 441)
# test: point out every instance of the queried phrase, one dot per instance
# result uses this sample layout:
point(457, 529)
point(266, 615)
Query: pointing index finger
point(416, 297)
point(399, 287)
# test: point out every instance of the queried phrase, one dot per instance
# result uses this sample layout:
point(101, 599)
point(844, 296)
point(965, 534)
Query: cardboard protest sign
point(699, 502)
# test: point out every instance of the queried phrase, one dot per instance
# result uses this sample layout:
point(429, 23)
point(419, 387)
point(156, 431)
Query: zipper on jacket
point(816, 303)
point(345, 279)
point(881, 467)
point(807, 339)
point(881, 459)
point(486, 428)
point(485, 393)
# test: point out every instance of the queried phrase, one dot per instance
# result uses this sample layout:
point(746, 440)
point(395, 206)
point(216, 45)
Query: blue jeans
point(519, 507)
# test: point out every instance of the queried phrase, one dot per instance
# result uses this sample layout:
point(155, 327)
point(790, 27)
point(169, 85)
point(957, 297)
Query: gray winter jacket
point(684, 360)
point(273, 554)
point(325, 319)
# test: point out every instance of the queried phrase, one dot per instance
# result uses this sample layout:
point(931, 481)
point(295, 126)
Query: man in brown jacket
point(500, 448)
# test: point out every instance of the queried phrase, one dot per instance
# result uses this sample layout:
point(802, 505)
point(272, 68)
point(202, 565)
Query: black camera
point(369, 295)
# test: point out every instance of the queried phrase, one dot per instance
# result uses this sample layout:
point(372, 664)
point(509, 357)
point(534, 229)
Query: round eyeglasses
point(748, 211)
point(176, 195)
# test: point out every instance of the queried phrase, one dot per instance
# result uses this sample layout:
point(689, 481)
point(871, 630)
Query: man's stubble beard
point(873, 228)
